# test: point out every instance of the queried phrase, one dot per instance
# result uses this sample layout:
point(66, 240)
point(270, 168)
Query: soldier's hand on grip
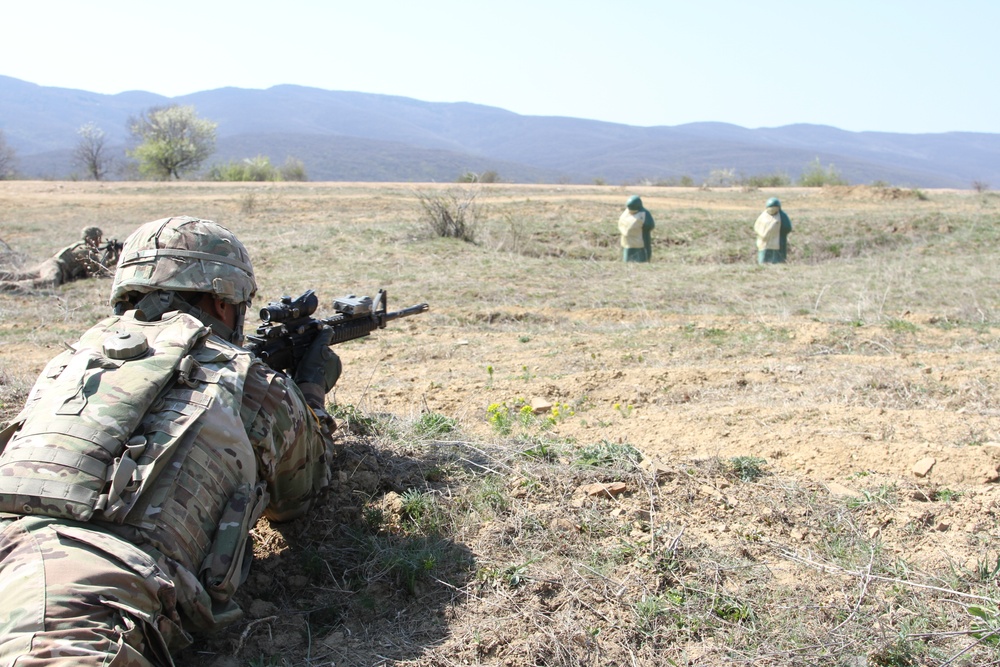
point(319, 369)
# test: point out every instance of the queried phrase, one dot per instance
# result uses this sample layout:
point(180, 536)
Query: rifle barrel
point(406, 312)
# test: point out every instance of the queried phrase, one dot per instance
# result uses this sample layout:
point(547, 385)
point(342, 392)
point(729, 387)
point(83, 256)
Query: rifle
point(112, 244)
point(288, 327)
point(111, 250)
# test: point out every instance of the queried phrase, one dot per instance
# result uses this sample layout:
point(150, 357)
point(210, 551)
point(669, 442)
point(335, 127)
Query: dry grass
point(459, 533)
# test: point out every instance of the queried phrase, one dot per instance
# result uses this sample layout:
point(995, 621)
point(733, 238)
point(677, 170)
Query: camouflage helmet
point(184, 254)
point(91, 233)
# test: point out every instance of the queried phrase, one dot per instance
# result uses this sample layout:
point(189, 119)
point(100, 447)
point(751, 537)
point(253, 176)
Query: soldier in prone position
point(145, 454)
point(87, 258)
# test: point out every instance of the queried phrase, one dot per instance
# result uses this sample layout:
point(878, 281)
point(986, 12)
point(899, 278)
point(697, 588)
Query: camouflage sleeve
point(85, 262)
point(289, 442)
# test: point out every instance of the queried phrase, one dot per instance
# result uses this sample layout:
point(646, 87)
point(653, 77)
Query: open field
point(765, 422)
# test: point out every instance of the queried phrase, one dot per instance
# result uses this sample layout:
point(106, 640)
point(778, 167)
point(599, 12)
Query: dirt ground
point(841, 407)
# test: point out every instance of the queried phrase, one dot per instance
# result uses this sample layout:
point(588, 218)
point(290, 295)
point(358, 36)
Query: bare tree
point(91, 152)
point(8, 158)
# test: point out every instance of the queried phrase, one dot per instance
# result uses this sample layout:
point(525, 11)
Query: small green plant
point(357, 422)
point(524, 339)
point(489, 495)
point(558, 413)
point(420, 508)
point(946, 495)
point(434, 425)
point(986, 572)
point(543, 451)
point(373, 517)
point(732, 611)
point(624, 410)
point(489, 373)
point(900, 326)
point(986, 627)
point(606, 454)
point(517, 575)
point(901, 652)
point(500, 418)
point(412, 560)
point(503, 417)
point(647, 611)
point(512, 576)
point(885, 494)
point(746, 468)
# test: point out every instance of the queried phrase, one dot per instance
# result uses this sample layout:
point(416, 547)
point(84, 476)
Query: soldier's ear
point(222, 310)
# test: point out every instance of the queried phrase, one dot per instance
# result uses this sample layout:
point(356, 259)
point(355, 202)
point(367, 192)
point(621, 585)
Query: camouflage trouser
point(71, 595)
point(49, 273)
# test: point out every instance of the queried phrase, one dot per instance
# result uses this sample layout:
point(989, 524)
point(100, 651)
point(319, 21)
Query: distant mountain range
point(353, 136)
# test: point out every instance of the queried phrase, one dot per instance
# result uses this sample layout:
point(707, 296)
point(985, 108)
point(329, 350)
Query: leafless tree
point(91, 152)
point(8, 158)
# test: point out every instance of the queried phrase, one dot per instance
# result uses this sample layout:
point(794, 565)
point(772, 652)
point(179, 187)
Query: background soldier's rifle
point(289, 328)
point(111, 250)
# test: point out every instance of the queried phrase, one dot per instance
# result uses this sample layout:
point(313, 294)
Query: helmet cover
point(184, 254)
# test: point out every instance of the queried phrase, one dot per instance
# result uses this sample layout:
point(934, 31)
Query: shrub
point(775, 180)
point(294, 170)
point(816, 176)
point(258, 169)
point(453, 213)
point(488, 176)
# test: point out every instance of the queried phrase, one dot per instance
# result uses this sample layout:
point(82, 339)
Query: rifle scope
point(288, 309)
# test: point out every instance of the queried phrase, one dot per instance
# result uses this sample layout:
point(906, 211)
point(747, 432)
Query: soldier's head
point(188, 264)
point(92, 236)
point(773, 206)
point(634, 203)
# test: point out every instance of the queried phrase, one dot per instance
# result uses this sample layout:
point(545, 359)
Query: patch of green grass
point(986, 626)
point(732, 611)
point(886, 494)
point(357, 421)
point(420, 511)
point(542, 451)
point(489, 495)
point(945, 495)
point(434, 425)
point(900, 326)
point(648, 611)
point(746, 468)
point(607, 454)
point(413, 560)
point(900, 652)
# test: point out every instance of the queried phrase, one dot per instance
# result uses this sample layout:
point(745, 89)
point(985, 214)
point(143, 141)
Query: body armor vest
point(137, 428)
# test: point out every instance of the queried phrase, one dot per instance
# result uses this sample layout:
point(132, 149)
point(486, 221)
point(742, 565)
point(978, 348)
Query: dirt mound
point(870, 193)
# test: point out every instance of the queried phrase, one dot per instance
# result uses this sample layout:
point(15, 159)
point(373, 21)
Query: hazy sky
point(887, 65)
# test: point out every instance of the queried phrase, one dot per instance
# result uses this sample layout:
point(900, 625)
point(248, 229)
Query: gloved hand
point(319, 369)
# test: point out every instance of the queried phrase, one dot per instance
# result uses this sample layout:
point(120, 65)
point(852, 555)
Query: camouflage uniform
point(83, 259)
point(140, 462)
